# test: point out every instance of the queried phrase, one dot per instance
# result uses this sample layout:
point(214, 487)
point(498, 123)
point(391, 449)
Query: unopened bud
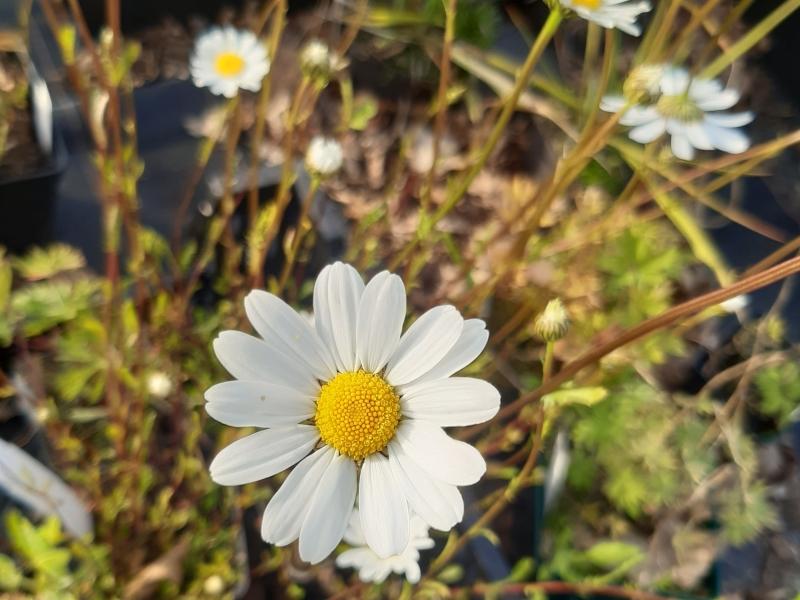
point(644, 83)
point(552, 324)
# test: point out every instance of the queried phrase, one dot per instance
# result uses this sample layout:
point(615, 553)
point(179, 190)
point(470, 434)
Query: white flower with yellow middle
point(611, 14)
point(374, 569)
point(689, 109)
point(226, 59)
point(358, 407)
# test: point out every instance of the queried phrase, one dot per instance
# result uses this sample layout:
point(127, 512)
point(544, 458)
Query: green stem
point(545, 35)
point(755, 35)
point(547, 362)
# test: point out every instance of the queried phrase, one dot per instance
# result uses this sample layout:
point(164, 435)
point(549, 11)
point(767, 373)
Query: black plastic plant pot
point(27, 202)
point(27, 199)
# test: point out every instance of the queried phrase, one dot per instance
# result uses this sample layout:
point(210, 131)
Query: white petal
point(451, 402)
point(257, 404)
point(730, 119)
point(612, 103)
point(29, 482)
point(384, 512)
point(467, 348)
point(681, 147)
point(674, 81)
point(639, 115)
point(727, 140)
point(380, 320)
point(425, 343)
point(286, 511)
point(337, 295)
point(698, 136)
point(355, 557)
point(250, 359)
point(354, 535)
point(262, 454)
point(648, 132)
point(329, 510)
point(442, 457)
point(413, 573)
point(438, 504)
point(721, 101)
point(280, 325)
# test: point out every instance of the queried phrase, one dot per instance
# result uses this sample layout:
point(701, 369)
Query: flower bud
point(644, 83)
point(324, 156)
point(552, 324)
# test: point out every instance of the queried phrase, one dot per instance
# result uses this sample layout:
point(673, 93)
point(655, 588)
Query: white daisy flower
point(324, 156)
point(226, 59)
point(359, 406)
point(688, 109)
point(611, 14)
point(374, 569)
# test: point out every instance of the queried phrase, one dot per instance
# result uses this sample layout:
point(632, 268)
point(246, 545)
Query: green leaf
point(10, 577)
point(610, 555)
point(43, 263)
point(364, 109)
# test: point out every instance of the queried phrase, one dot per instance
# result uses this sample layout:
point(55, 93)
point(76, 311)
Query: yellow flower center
point(679, 107)
point(590, 4)
point(357, 413)
point(229, 64)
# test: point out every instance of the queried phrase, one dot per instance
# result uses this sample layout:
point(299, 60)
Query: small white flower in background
point(689, 111)
point(226, 59)
point(32, 484)
point(324, 156)
point(371, 567)
point(736, 304)
point(159, 384)
point(359, 406)
point(318, 61)
point(611, 14)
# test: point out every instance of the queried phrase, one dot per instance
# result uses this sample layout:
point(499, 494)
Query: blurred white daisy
point(688, 110)
point(226, 59)
point(611, 14)
point(359, 406)
point(324, 156)
point(317, 60)
point(371, 567)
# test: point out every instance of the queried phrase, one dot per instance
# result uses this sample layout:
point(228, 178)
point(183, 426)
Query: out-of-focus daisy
point(371, 567)
point(319, 62)
point(324, 156)
point(689, 111)
point(359, 406)
point(611, 14)
point(226, 59)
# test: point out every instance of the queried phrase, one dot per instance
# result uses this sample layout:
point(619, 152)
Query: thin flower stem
point(754, 36)
point(547, 362)
point(669, 317)
point(267, 224)
point(227, 205)
point(545, 35)
point(278, 26)
point(520, 480)
point(441, 98)
point(299, 235)
point(682, 45)
point(658, 31)
point(731, 19)
point(557, 588)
